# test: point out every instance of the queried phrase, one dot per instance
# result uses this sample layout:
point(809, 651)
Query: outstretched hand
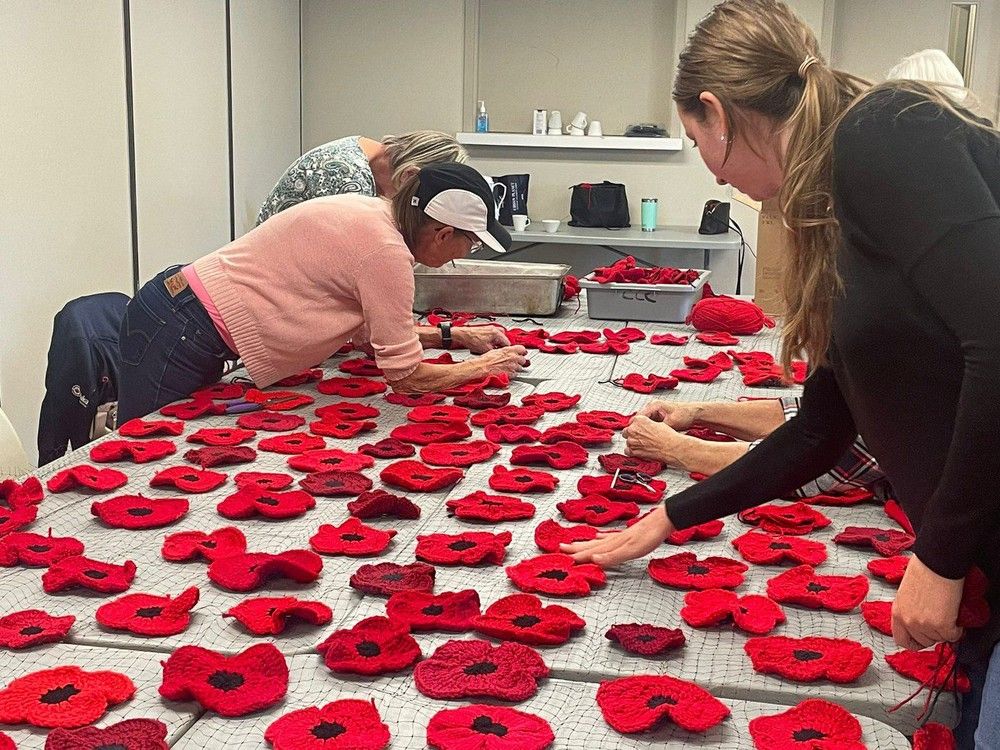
point(615, 547)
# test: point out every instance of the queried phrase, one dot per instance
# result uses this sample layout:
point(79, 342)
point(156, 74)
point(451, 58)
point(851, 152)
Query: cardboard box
point(773, 247)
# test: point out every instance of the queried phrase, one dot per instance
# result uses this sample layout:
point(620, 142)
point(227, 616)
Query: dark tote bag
point(600, 204)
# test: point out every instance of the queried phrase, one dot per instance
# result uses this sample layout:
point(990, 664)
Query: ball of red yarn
point(723, 313)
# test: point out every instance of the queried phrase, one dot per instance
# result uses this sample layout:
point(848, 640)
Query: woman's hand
point(479, 339)
point(925, 611)
point(678, 414)
point(613, 548)
point(509, 359)
point(645, 438)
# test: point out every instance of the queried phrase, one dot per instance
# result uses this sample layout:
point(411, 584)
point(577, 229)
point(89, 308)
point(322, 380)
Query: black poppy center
point(816, 588)
point(190, 477)
point(557, 575)
point(780, 545)
point(433, 610)
point(804, 735)
point(597, 508)
point(392, 577)
point(368, 648)
point(334, 483)
point(149, 611)
point(461, 545)
point(32, 630)
point(698, 570)
point(59, 695)
point(422, 477)
point(208, 545)
point(267, 500)
point(95, 574)
point(225, 681)
point(460, 453)
point(352, 537)
point(806, 655)
point(486, 725)
point(38, 547)
point(332, 462)
point(522, 479)
point(327, 730)
point(646, 638)
point(882, 537)
point(139, 512)
point(659, 700)
point(481, 668)
point(526, 621)
point(112, 746)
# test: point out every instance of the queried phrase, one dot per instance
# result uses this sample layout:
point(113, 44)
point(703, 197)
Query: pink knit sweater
point(309, 279)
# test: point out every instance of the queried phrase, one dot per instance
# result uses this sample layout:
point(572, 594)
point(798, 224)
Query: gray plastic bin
point(660, 303)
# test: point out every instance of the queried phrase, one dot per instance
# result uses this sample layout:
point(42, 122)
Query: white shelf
point(606, 142)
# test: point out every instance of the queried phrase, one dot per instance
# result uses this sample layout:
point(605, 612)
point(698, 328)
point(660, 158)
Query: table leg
point(707, 257)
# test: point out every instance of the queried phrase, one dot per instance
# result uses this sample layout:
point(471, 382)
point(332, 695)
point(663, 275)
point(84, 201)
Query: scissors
point(242, 406)
point(633, 477)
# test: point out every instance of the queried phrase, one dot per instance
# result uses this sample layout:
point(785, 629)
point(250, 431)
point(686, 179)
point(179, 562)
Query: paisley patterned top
point(331, 169)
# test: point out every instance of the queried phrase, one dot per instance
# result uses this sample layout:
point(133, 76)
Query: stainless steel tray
point(490, 286)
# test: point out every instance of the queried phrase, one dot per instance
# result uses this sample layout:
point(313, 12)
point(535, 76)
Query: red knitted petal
point(878, 615)
point(292, 443)
point(35, 550)
point(896, 513)
point(147, 614)
point(751, 613)
point(551, 402)
point(415, 399)
point(707, 433)
point(577, 432)
point(193, 409)
point(278, 400)
point(853, 496)
point(17, 518)
point(575, 337)
point(344, 430)
point(379, 503)
point(350, 387)
point(300, 378)
point(265, 480)
point(637, 704)
point(336, 483)
point(270, 615)
point(795, 518)
point(597, 510)
point(251, 570)
point(138, 512)
point(444, 413)
point(86, 477)
point(523, 618)
point(809, 659)
point(887, 542)
point(890, 569)
point(562, 455)
point(347, 411)
point(769, 549)
point(221, 455)
point(31, 627)
point(351, 538)
point(521, 480)
point(511, 433)
point(934, 736)
point(604, 420)
point(136, 451)
point(934, 667)
point(349, 724)
point(480, 399)
point(417, 477)
point(270, 421)
point(385, 579)
point(801, 585)
point(811, 724)
point(140, 428)
point(549, 535)
point(699, 533)
point(254, 501)
point(685, 571)
point(190, 545)
point(474, 668)
point(14, 495)
point(363, 367)
point(221, 436)
point(669, 339)
point(623, 489)
point(556, 575)
point(422, 611)
point(612, 462)
point(626, 333)
point(62, 697)
point(219, 391)
point(431, 432)
point(388, 448)
point(648, 383)
point(468, 548)
point(458, 454)
point(489, 728)
point(188, 479)
point(700, 373)
point(715, 338)
point(375, 645)
point(130, 734)
point(479, 506)
point(645, 640)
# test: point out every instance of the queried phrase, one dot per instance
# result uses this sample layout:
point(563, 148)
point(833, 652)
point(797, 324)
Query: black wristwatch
point(445, 329)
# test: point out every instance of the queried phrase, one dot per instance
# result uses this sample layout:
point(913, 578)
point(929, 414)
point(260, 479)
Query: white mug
point(595, 128)
point(555, 121)
point(574, 130)
point(551, 225)
point(580, 121)
point(520, 222)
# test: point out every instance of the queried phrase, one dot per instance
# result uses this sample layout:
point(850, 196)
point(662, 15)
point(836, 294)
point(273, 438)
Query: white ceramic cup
point(521, 222)
point(555, 121)
point(595, 128)
point(573, 130)
point(551, 225)
point(580, 121)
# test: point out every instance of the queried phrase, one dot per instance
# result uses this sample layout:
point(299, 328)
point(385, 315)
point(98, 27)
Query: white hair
point(932, 66)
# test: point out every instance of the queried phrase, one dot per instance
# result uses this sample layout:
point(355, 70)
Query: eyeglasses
point(477, 244)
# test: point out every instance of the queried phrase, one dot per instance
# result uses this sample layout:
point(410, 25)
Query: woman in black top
point(893, 291)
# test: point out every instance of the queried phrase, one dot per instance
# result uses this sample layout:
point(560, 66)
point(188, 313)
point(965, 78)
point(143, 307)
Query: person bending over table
point(360, 165)
point(291, 292)
point(892, 196)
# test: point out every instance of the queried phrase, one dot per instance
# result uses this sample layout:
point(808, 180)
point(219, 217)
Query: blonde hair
point(409, 219)
point(414, 151)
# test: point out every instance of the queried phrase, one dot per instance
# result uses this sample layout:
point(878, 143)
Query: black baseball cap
point(457, 195)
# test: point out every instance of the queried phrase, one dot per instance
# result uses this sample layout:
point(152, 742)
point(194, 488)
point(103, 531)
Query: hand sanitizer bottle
point(482, 119)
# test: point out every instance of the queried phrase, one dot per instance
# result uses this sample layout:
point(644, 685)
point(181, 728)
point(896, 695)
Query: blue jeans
point(979, 728)
point(169, 348)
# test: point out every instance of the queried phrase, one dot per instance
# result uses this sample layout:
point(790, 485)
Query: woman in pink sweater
point(291, 292)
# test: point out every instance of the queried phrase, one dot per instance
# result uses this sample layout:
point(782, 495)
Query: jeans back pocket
point(139, 327)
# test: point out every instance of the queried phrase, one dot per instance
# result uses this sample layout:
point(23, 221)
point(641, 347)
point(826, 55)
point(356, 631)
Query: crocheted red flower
point(612, 462)
point(336, 483)
point(576, 432)
point(685, 571)
point(480, 399)
point(474, 668)
point(717, 338)
point(887, 542)
point(751, 613)
point(549, 535)
point(794, 519)
point(772, 549)
point(14, 495)
point(221, 436)
point(645, 640)
point(350, 724)
point(553, 401)
point(140, 428)
point(31, 627)
point(934, 736)
point(292, 443)
point(707, 433)
point(87, 477)
point(523, 618)
point(934, 667)
point(270, 421)
point(250, 570)
point(147, 614)
point(418, 477)
point(522, 480)
point(809, 725)
point(562, 455)
point(467, 548)
point(137, 451)
point(668, 339)
point(890, 569)
point(508, 415)
point(511, 433)
point(344, 430)
point(350, 387)
point(458, 454)
point(808, 659)
point(80, 571)
point(481, 727)
point(220, 391)
point(326, 460)
point(351, 538)
point(189, 545)
point(450, 612)
point(346, 411)
point(229, 685)
point(443, 413)
point(361, 366)
point(701, 532)
point(626, 333)
point(265, 480)
point(378, 503)
point(638, 703)
point(196, 407)
point(623, 489)
point(878, 615)
point(556, 575)
point(431, 432)
point(254, 501)
point(300, 378)
point(480, 506)
point(604, 420)
point(35, 550)
point(853, 496)
point(138, 512)
point(597, 510)
point(575, 337)
point(188, 479)
point(385, 579)
point(800, 585)
point(278, 400)
point(221, 455)
point(12, 519)
point(698, 372)
point(130, 734)
point(388, 448)
point(375, 645)
point(62, 697)
point(647, 383)
point(415, 399)
point(270, 615)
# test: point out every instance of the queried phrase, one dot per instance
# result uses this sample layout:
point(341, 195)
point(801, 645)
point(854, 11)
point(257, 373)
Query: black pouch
point(601, 204)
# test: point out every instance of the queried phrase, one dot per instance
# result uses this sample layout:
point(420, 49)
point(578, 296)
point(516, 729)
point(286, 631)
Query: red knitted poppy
point(191, 545)
point(385, 579)
point(458, 454)
point(278, 400)
point(771, 549)
point(221, 455)
point(220, 392)
point(375, 645)
point(751, 613)
point(522, 480)
point(270, 615)
point(253, 679)
point(707, 433)
point(474, 668)
point(82, 572)
point(890, 569)
point(336, 483)
point(254, 501)
point(331, 458)
point(467, 548)
point(549, 535)
point(414, 399)
point(934, 736)
point(548, 348)
point(249, 571)
point(351, 538)
point(137, 451)
point(31, 627)
point(193, 409)
point(811, 724)
point(669, 339)
point(700, 372)
point(752, 358)
point(511, 433)
point(378, 503)
point(625, 490)
point(575, 337)
point(604, 420)
point(794, 518)
point(801, 585)
point(523, 618)
point(140, 428)
point(933, 668)
point(363, 367)
point(88, 477)
point(685, 571)
point(551, 402)
point(645, 640)
point(350, 387)
point(699, 533)
point(270, 421)
point(481, 727)
point(626, 333)
point(147, 614)
point(300, 378)
point(62, 697)
point(292, 443)
point(431, 432)
point(626, 271)
point(896, 513)
point(221, 436)
point(12, 519)
point(35, 550)
point(130, 734)
point(344, 430)
point(597, 510)
point(647, 383)
point(887, 542)
point(612, 462)
point(504, 415)
point(444, 358)
point(188, 479)
point(349, 724)
point(562, 455)
point(809, 659)
point(388, 448)
point(15, 495)
point(138, 512)
point(878, 615)
point(853, 496)
point(442, 413)
point(479, 506)
point(480, 399)
point(556, 575)
point(717, 338)
point(637, 704)
point(449, 612)
point(418, 477)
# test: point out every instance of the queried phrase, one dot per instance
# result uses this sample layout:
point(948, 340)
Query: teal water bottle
point(649, 208)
